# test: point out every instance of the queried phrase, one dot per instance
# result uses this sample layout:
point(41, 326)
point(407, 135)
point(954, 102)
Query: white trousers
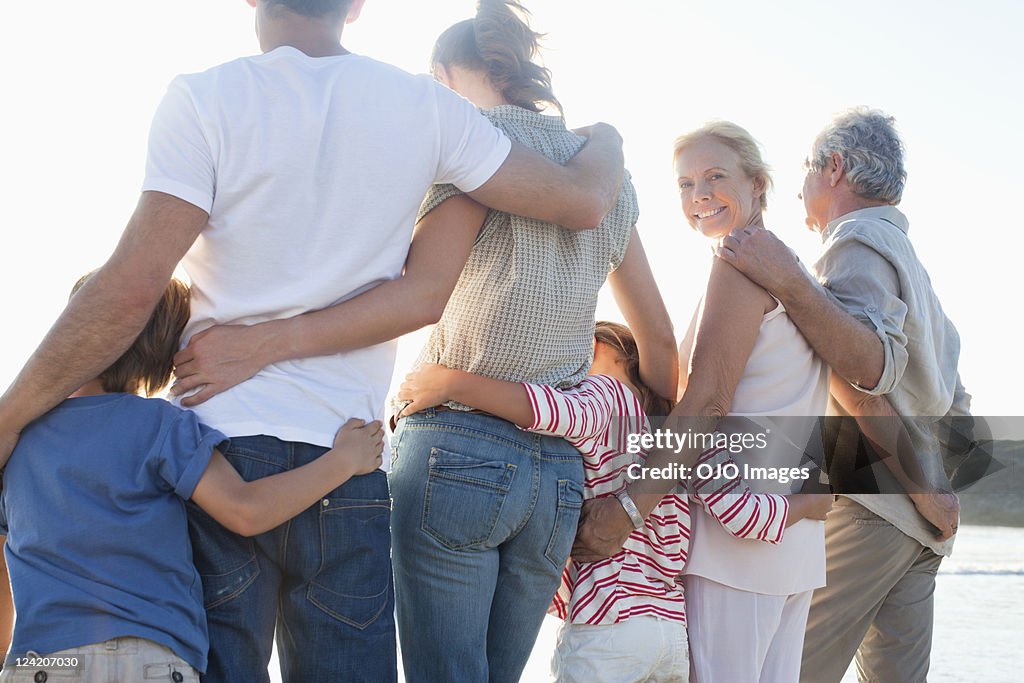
point(638, 650)
point(739, 636)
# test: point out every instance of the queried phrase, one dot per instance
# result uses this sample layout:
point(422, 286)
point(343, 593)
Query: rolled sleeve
point(185, 451)
point(179, 161)
point(867, 287)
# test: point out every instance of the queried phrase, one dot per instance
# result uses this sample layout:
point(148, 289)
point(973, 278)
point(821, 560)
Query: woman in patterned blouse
point(485, 513)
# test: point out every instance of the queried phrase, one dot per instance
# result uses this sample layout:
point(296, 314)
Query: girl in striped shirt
point(636, 592)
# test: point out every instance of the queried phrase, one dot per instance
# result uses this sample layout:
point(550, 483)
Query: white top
point(782, 377)
point(312, 170)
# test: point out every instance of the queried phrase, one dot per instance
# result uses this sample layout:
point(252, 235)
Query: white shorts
point(639, 650)
point(118, 659)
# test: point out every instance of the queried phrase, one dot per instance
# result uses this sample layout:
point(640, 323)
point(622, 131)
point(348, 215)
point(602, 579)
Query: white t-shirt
point(312, 170)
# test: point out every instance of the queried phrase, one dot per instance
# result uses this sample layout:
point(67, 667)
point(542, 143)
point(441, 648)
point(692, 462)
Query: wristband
point(631, 509)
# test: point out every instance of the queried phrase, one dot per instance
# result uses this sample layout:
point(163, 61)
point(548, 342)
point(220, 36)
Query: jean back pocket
point(463, 498)
point(353, 582)
point(567, 516)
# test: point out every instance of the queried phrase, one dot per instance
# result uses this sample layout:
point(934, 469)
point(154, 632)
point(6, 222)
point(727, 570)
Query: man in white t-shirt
point(287, 182)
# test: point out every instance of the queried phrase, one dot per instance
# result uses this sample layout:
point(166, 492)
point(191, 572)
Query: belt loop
point(111, 644)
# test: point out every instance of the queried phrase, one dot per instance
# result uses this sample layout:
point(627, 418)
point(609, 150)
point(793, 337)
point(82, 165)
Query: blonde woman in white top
point(747, 601)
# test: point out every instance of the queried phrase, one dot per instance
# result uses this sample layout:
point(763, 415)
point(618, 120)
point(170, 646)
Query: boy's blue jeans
point(323, 579)
point(485, 515)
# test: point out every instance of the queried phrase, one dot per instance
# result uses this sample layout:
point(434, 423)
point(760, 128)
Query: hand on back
point(361, 444)
point(215, 360)
point(942, 510)
point(424, 388)
point(762, 257)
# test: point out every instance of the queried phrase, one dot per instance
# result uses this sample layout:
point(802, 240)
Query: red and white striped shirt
point(598, 416)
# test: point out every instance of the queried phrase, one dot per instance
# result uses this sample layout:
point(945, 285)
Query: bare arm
point(846, 344)
point(637, 295)
point(729, 321)
point(223, 356)
point(576, 196)
point(250, 508)
point(432, 385)
point(106, 315)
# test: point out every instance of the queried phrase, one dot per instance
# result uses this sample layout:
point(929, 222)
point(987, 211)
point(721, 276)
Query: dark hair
point(147, 365)
point(500, 43)
point(312, 8)
point(621, 339)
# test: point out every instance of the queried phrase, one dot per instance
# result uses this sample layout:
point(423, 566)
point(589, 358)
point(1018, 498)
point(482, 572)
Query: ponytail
point(500, 43)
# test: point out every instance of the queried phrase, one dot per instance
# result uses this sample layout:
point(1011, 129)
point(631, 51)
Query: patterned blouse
point(523, 308)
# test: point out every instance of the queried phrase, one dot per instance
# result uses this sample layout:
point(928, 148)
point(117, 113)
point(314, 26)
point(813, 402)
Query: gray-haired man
point(877, 322)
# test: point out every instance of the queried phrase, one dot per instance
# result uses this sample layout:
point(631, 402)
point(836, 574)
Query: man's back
point(312, 170)
point(871, 245)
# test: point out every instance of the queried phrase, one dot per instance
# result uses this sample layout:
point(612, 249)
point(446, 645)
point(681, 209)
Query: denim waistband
point(489, 427)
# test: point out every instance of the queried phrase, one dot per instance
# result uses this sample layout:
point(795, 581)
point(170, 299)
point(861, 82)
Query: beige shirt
point(523, 308)
point(871, 269)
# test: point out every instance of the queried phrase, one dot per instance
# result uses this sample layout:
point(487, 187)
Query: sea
point(979, 614)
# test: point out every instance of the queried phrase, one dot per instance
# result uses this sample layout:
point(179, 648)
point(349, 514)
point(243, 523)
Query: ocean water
point(979, 614)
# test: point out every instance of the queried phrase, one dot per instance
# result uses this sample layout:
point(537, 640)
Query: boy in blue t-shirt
point(93, 505)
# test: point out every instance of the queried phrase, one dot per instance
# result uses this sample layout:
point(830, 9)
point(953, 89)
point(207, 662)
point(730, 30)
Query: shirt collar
point(889, 214)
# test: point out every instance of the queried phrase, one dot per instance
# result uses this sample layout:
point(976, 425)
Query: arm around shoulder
point(575, 196)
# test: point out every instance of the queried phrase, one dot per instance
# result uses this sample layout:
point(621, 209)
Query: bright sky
point(82, 81)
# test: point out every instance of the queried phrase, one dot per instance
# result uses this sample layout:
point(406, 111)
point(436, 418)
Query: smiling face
point(716, 193)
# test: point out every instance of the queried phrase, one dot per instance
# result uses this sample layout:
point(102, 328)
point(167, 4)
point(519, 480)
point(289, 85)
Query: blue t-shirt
point(93, 505)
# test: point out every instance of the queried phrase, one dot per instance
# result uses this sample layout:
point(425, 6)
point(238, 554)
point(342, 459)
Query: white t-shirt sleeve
point(472, 149)
point(179, 161)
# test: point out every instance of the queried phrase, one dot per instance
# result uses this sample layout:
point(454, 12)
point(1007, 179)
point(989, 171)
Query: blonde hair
point(738, 140)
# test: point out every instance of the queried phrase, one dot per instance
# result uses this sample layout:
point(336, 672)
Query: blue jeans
point(484, 518)
point(322, 579)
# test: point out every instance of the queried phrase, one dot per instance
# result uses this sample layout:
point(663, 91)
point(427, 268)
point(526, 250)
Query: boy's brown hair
point(147, 365)
point(621, 338)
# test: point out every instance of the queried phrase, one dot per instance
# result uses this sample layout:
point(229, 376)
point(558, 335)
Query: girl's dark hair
point(620, 338)
point(148, 364)
point(500, 43)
